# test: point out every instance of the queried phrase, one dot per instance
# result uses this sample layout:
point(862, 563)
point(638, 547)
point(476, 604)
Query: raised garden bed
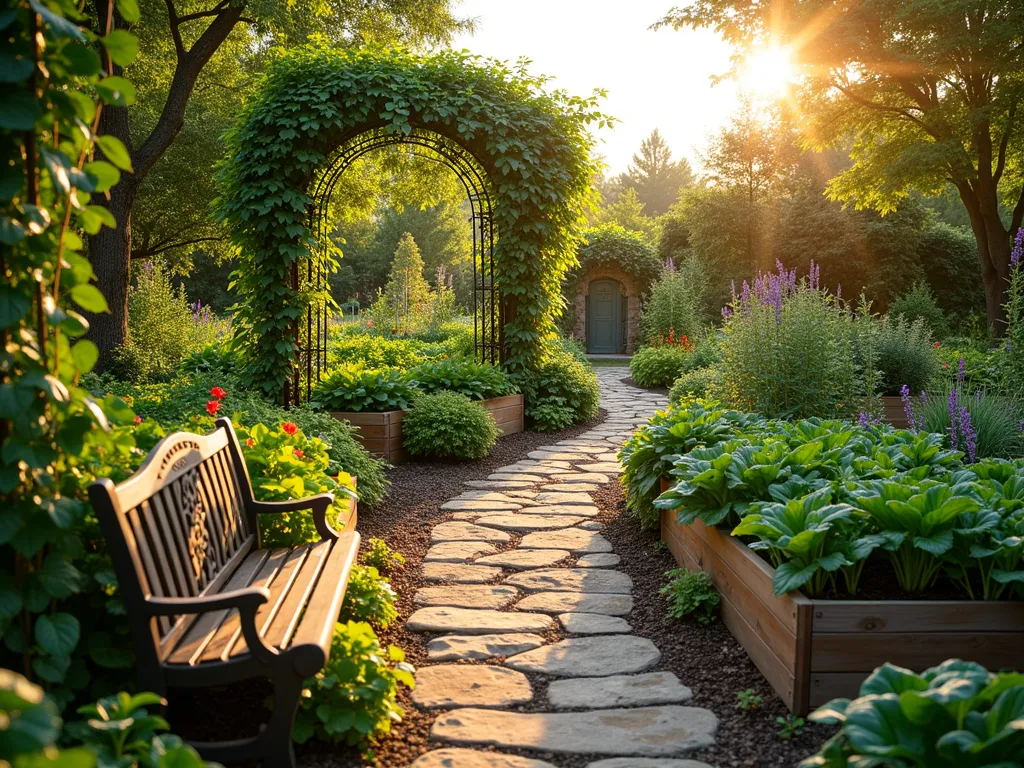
point(381, 433)
point(812, 651)
point(893, 413)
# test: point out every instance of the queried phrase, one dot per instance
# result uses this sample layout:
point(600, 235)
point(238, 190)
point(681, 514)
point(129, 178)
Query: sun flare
point(768, 72)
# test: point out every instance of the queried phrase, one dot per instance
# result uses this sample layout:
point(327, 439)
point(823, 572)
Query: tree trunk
point(110, 249)
point(993, 254)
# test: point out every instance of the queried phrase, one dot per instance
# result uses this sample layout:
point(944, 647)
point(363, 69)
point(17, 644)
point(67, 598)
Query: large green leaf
point(57, 634)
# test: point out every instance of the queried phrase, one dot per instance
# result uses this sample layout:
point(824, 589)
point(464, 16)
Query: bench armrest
point(246, 601)
point(318, 504)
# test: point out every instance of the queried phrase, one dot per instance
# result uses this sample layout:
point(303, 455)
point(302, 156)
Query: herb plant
point(789, 727)
point(353, 699)
point(906, 354)
point(369, 597)
point(382, 557)
point(659, 366)
point(691, 593)
point(955, 715)
point(748, 700)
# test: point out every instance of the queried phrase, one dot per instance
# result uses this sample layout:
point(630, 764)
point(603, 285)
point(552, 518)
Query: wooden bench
point(208, 605)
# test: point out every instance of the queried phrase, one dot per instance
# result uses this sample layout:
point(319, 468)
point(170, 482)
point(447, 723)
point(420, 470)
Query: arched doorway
point(604, 317)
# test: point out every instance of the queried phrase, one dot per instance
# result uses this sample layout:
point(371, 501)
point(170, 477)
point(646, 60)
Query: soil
point(707, 659)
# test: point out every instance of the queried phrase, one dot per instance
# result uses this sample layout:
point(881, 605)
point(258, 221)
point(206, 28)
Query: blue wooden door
point(603, 321)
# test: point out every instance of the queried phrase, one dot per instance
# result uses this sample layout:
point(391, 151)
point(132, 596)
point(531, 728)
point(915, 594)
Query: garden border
point(380, 432)
point(812, 651)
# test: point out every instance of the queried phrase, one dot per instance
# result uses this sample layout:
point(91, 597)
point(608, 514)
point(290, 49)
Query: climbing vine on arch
point(532, 143)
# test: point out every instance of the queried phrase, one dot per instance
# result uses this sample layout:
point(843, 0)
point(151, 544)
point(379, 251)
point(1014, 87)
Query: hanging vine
point(533, 145)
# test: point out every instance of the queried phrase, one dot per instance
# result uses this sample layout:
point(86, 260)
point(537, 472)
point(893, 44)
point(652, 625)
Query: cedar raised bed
point(381, 433)
point(812, 651)
point(893, 413)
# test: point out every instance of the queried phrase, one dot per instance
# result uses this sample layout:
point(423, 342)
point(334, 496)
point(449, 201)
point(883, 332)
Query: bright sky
point(654, 79)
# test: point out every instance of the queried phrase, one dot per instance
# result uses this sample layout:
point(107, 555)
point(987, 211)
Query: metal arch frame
point(488, 314)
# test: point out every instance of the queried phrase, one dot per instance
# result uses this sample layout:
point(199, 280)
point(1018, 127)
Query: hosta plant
point(353, 388)
point(955, 715)
point(477, 381)
point(353, 698)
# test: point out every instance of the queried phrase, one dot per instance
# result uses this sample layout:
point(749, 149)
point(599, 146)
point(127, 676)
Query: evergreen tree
point(407, 290)
point(655, 176)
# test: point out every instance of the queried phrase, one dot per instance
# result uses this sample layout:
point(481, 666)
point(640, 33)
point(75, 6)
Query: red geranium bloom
point(937, 345)
point(289, 428)
point(250, 443)
point(945, 365)
point(218, 393)
point(138, 419)
point(298, 454)
point(212, 407)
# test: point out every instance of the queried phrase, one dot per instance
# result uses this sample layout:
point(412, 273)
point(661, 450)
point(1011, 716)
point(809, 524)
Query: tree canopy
point(927, 94)
point(655, 176)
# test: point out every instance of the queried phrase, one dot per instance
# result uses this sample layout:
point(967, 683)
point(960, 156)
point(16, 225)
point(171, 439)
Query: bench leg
point(278, 748)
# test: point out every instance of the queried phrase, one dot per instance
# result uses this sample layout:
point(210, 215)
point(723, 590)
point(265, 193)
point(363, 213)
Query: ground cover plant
point(822, 499)
point(955, 715)
point(691, 594)
point(448, 425)
point(369, 597)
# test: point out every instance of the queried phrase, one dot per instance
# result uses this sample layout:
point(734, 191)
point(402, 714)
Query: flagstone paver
point(542, 506)
point(452, 647)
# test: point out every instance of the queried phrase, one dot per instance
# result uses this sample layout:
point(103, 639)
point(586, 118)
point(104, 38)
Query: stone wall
point(628, 288)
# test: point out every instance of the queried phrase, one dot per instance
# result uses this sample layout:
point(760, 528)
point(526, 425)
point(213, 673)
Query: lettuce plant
point(955, 715)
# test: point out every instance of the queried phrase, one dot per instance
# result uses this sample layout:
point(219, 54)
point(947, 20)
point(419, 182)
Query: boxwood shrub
point(448, 425)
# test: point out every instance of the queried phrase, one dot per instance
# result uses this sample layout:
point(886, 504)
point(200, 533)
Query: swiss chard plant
point(955, 715)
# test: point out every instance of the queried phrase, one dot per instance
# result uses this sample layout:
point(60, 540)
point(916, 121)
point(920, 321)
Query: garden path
point(521, 557)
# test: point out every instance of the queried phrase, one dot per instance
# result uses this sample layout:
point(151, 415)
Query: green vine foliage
point(532, 145)
point(612, 245)
point(53, 434)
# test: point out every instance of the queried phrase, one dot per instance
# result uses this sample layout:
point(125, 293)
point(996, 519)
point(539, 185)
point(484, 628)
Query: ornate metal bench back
point(180, 524)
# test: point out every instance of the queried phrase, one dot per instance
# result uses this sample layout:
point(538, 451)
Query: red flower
point(945, 365)
point(250, 443)
point(289, 428)
point(937, 345)
point(218, 393)
point(138, 419)
point(298, 454)
point(212, 407)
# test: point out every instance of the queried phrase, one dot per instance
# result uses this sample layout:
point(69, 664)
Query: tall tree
point(195, 30)
point(629, 213)
point(655, 176)
point(928, 92)
point(752, 157)
point(407, 290)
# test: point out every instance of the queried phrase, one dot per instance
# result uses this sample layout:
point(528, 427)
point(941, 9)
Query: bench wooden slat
point(153, 576)
point(321, 614)
point(283, 625)
point(224, 509)
point(232, 499)
point(214, 534)
point(206, 625)
point(231, 628)
point(175, 547)
point(283, 582)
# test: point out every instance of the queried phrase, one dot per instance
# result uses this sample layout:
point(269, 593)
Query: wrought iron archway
point(488, 312)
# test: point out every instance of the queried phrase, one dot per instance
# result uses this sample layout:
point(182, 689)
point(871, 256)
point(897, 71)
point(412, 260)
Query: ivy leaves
point(532, 146)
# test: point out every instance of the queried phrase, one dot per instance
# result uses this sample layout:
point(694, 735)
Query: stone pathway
point(491, 610)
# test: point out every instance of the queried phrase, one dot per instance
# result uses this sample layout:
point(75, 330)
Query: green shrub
point(906, 354)
point(919, 304)
point(353, 388)
point(659, 366)
point(676, 303)
point(477, 381)
point(354, 698)
point(369, 597)
point(691, 593)
point(382, 557)
point(700, 382)
point(448, 425)
point(955, 715)
point(560, 392)
point(983, 367)
point(117, 731)
point(217, 359)
point(162, 328)
point(790, 349)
